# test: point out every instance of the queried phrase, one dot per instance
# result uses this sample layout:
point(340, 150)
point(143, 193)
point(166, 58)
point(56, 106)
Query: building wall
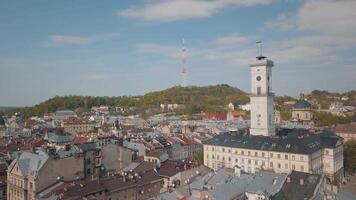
point(22, 187)
point(115, 157)
point(250, 160)
point(77, 128)
point(302, 114)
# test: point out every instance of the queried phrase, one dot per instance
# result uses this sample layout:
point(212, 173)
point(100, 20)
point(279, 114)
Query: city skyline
point(130, 48)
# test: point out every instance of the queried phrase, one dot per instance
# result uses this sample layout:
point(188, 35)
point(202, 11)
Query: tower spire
point(184, 65)
point(260, 57)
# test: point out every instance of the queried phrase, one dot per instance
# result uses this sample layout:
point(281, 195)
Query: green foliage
point(327, 119)
point(350, 155)
point(281, 99)
point(213, 99)
point(200, 157)
point(285, 114)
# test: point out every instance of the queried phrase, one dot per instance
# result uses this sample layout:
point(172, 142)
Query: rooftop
point(302, 144)
point(302, 104)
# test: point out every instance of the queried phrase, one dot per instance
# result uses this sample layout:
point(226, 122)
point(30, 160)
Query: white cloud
point(59, 40)
point(234, 39)
point(172, 10)
point(95, 77)
point(284, 22)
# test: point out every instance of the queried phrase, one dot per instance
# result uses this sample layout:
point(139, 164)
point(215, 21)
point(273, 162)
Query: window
point(302, 168)
point(229, 158)
point(326, 152)
point(229, 150)
point(207, 155)
point(293, 166)
point(263, 163)
point(263, 154)
point(271, 155)
point(293, 157)
point(256, 154)
point(218, 157)
point(236, 152)
point(256, 162)
point(223, 149)
point(236, 160)
point(301, 158)
point(242, 152)
point(249, 161)
point(286, 166)
point(212, 148)
point(212, 156)
point(286, 157)
point(279, 156)
point(223, 158)
point(249, 153)
point(271, 164)
point(258, 90)
point(279, 165)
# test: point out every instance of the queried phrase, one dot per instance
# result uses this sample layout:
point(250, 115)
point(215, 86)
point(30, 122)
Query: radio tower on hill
point(184, 66)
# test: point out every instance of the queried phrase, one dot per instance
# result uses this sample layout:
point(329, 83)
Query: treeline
point(195, 100)
point(327, 119)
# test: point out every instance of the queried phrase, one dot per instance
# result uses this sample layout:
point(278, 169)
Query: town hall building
point(264, 148)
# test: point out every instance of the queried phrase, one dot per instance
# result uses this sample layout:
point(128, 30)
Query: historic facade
point(297, 150)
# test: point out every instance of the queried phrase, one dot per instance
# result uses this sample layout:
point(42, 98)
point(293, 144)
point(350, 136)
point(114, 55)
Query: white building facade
point(262, 111)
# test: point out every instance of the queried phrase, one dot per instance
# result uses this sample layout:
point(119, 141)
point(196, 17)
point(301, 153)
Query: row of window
point(262, 154)
point(263, 164)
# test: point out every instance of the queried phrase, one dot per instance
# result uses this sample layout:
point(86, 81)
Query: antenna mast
point(184, 65)
point(260, 57)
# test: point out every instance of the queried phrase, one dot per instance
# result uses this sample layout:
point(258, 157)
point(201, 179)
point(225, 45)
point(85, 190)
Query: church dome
point(302, 104)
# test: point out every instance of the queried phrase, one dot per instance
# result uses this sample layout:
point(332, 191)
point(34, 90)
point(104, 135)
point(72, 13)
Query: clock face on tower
point(258, 78)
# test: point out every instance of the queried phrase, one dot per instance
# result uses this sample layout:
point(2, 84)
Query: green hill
point(195, 99)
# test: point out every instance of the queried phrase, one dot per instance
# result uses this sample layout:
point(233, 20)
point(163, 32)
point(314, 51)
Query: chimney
point(288, 179)
point(301, 181)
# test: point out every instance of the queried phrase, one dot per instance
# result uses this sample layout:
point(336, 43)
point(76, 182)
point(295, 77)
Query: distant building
point(77, 125)
point(100, 110)
point(63, 114)
point(209, 116)
point(302, 112)
point(346, 131)
point(246, 107)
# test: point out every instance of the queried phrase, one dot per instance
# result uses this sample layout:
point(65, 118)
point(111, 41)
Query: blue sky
point(114, 48)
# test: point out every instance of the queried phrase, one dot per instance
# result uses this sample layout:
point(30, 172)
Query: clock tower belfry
point(261, 97)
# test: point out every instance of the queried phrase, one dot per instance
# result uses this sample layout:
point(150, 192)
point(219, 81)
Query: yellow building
point(302, 112)
point(76, 125)
point(316, 154)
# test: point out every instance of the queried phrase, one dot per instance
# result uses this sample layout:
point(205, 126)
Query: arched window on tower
point(258, 90)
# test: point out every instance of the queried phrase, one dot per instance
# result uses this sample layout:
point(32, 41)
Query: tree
point(200, 157)
point(350, 155)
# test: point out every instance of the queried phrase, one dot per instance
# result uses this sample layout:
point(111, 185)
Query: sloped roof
point(293, 190)
point(302, 145)
point(302, 104)
point(59, 138)
point(30, 162)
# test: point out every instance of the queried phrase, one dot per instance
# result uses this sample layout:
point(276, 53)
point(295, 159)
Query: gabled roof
point(30, 163)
